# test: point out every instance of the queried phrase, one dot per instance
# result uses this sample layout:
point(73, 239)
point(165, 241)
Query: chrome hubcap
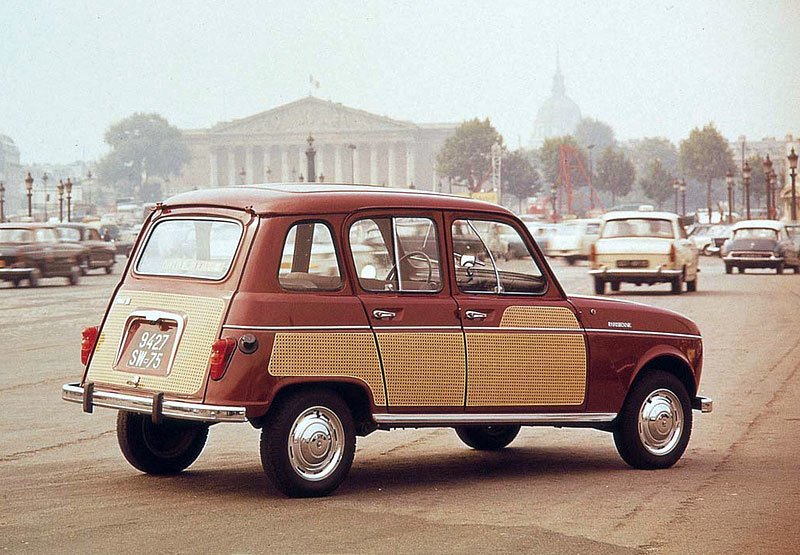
point(661, 422)
point(316, 443)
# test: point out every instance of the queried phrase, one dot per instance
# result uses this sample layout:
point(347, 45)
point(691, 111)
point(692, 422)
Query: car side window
point(45, 235)
point(93, 235)
point(396, 254)
point(492, 257)
point(309, 261)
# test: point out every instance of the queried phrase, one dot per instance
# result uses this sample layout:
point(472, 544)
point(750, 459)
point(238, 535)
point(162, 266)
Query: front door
point(398, 258)
point(525, 346)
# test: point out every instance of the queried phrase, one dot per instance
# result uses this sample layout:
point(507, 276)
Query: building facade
point(10, 175)
point(351, 146)
point(778, 150)
point(558, 114)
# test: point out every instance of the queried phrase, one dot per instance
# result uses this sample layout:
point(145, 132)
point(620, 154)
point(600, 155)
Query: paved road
point(66, 487)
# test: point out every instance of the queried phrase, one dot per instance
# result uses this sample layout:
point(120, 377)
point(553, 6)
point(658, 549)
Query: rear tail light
point(221, 351)
point(88, 341)
point(592, 254)
point(672, 254)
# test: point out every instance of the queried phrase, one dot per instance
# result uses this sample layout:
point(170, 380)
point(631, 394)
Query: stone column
point(411, 167)
point(214, 181)
point(319, 162)
point(231, 166)
point(285, 169)
point(248, 165)
point(267, 166)
point(373, 164)
point(392, 170)
point(302, 163)
point(356, 160)
point(337, 163)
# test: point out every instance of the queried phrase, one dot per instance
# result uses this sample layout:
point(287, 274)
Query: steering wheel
point(393, 272)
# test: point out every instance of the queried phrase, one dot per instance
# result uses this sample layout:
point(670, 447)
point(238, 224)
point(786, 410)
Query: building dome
point(558, 115)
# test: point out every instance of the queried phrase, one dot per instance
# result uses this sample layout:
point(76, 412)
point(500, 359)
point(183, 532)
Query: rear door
point(398, 260)
point(526, 349)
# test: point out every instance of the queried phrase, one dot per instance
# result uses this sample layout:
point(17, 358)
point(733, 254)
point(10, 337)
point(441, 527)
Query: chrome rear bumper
point(703, 404)
point(155, 405)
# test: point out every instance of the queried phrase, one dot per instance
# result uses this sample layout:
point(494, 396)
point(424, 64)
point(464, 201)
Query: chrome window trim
point(155, 223)
point(454, 419)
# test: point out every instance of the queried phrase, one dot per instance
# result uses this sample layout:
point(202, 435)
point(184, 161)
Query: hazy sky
point(68, 69)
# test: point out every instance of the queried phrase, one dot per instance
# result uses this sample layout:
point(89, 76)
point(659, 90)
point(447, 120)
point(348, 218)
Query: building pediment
point(310, 115)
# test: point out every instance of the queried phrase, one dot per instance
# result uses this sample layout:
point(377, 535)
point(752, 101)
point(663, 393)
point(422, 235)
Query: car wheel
point(615, 285)
point(571, 260)
point(165, 448)
point(110, 268)
point(740, 269)
point(84, 266)
point(599, 286)
point(487, 438)
point(15, 282)
point(728, 269)
point(33, 278)
point(706, 251)
point(74, 276)
point(653, 429)
point(691, 286)
point(308, 444)
point(677, 285)
point(779, 268)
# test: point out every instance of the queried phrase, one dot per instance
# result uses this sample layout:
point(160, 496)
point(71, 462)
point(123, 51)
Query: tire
point(705, 251)
point(74, 276)
point(15, 282)
point(615, 285)
point(655, 423)
point(487, 438)
point(161, 449)
point(84, 266)
point(740, 269)
point(571, 260)
point(677, 285)
point(110, 268)
point(728, 269)
point(599, 286)
point(779, 268)
point(691, 286)
point(308, 416)
point(33, 278)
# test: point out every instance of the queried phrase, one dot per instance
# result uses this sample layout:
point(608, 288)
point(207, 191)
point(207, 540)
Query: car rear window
point(638, 227)
point(187, 247)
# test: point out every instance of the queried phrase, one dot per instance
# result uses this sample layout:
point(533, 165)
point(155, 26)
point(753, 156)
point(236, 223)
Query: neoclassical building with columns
point(351, 144)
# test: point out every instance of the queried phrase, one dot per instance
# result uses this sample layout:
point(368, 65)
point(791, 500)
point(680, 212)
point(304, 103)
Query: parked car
point(29, 252)
point(226, 315)
point(760, 244)
point(542, 232)
point(643, 248)
point(574, 240)
point(793, 229)
point(99, 253)
point(700, 236)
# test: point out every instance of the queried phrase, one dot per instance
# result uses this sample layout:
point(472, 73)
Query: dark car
point(33, 251)
point(99, 253)
point(760, 244)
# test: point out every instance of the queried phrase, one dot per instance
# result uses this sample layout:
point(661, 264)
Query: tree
point(706, 156)
point(615, 173)
point(142, 145)
point(657, 183)
point(591, 131)
point(643, 152)
point(758, 183)
point(519, 178)
point(466, 155)
point(550, 159)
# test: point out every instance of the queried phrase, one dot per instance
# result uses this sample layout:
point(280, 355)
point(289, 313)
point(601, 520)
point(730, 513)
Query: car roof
point(643, 215)
point(25, 225)
point(768, 224)
point(325, 198)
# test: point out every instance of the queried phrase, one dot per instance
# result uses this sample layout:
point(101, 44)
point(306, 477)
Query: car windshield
point(16, 235)
point(638, 227)
point(755, 233)
point(190, 248)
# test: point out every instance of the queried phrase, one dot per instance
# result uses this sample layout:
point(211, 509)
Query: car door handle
point(475, 315)
point(383, 314)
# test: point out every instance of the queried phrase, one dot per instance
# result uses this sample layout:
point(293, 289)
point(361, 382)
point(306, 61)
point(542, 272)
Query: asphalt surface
point(66, 487)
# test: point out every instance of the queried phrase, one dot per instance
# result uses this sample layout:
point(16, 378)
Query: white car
point(643, 247)
point(574, 240)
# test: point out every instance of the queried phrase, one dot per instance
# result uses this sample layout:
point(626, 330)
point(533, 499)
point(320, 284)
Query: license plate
point(149, 347)
point(632, 264)
point(2, 263)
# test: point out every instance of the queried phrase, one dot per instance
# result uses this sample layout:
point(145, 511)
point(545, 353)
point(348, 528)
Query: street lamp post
point(44, 184)
point(767, 165)
point(746, 177)
point(553, 192)
point(2, 203)
point(729, 181)
point(68, 188)
point(773, 189)
point(311, 154)
point(676, 184)
point(60, 188)
point(793, 172)
point(29, 189)
point(352, 148)
point(683, 197)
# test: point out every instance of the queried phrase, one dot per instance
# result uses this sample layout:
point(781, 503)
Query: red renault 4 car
point(319, 313)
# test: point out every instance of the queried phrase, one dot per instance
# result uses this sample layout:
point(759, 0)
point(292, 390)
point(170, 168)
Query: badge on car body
point(619, 325)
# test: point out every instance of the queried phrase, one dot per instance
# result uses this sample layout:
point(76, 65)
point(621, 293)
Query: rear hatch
point(169, 310)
